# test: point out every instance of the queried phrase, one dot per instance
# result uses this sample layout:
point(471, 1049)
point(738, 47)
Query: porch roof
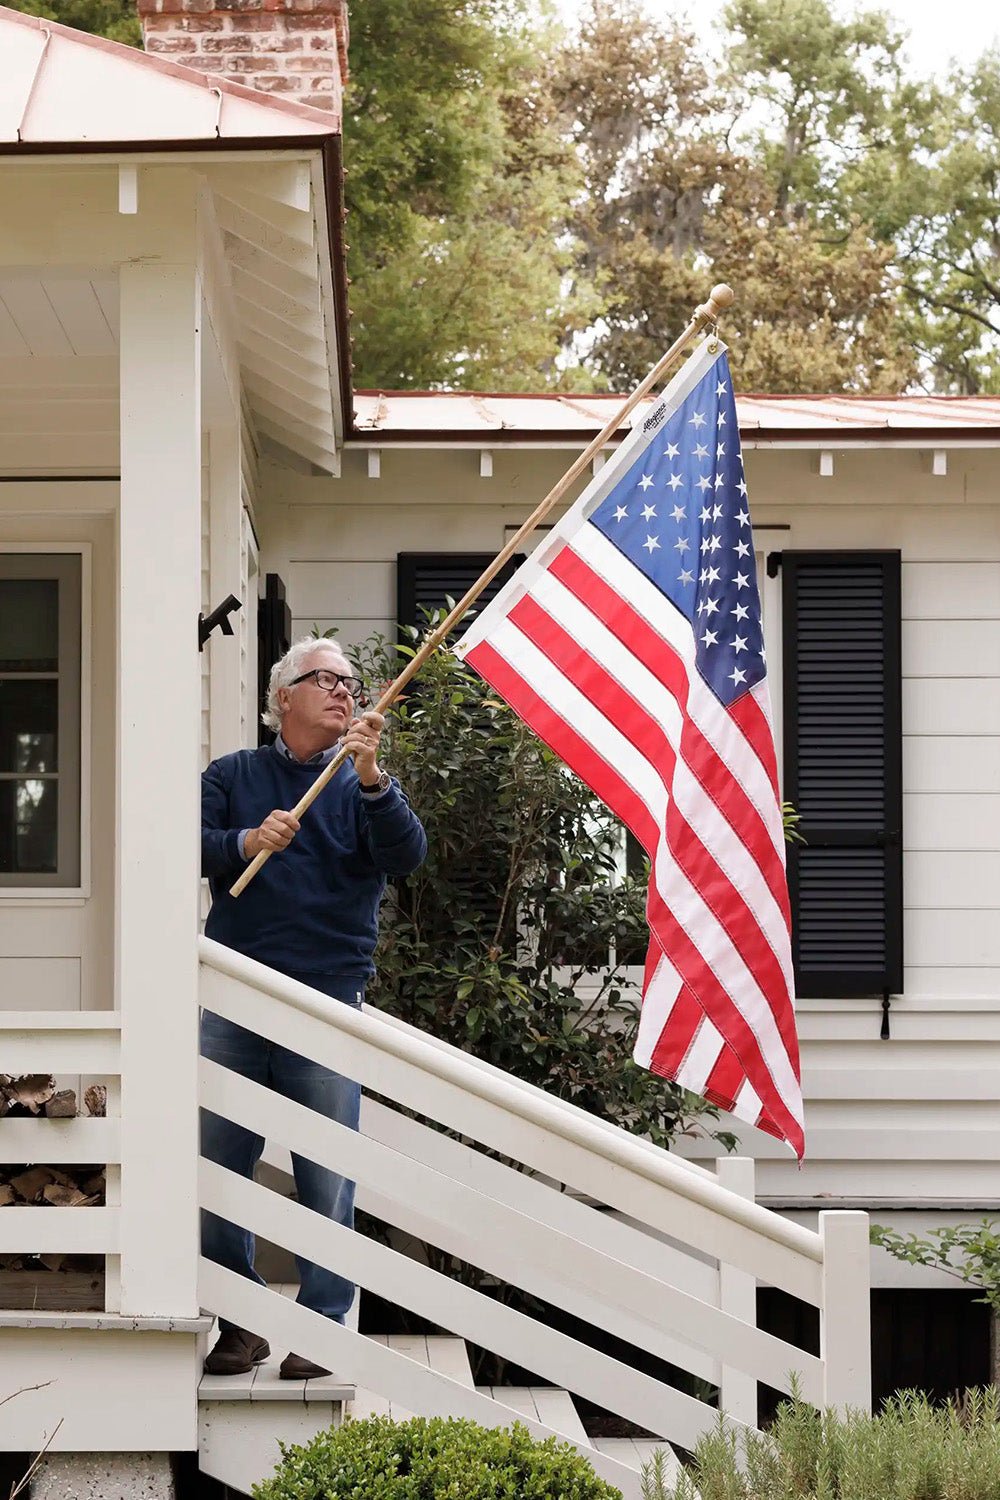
point(806, 420)
point(274, 170)
point(65, 88)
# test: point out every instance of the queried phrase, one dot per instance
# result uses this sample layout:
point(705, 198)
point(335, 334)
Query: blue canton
point(680, 515)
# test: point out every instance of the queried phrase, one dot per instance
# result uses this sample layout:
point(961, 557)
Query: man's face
point(314, 713)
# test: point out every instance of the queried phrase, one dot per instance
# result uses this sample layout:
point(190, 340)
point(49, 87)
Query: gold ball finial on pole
point(720, 298)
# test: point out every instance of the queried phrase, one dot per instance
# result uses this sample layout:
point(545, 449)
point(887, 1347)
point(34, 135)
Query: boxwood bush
point(432, 1459)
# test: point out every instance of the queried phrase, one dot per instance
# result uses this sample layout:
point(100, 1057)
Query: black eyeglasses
point(330, 681)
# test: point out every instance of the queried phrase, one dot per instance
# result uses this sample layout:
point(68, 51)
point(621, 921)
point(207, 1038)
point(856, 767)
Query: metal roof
point(62, 87)
point(405, 415)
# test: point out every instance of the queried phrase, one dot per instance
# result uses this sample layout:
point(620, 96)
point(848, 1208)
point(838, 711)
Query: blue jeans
point(232, 1146)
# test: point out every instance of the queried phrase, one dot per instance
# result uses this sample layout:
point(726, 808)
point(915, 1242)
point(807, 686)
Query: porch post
point(158, 752)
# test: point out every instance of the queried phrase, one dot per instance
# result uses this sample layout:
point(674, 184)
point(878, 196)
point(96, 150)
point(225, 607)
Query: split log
point(28, 1185)
point(96, 1099)
point(6, 1194)
point(61, 1106)
point(31, 1091)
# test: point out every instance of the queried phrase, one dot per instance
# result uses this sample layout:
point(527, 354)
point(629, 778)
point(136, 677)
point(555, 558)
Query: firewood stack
point(47, 1186)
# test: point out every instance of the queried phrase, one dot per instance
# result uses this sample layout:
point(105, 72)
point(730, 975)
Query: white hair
point(284, 672)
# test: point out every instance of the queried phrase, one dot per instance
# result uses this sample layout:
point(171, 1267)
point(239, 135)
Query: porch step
point(542, 1403)
point(634, 1452)
point(448, 1356)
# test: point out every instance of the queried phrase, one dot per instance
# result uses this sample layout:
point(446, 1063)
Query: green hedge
point(422, 1459)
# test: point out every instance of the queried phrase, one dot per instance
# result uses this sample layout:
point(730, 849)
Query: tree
point(457, 198)
point(115, 19)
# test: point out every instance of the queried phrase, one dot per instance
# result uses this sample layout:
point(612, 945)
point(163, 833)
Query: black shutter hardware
point(274, 636)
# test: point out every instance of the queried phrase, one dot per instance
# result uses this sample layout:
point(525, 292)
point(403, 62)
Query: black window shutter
point(424, 580)
point(843, 769)
point(274, 636)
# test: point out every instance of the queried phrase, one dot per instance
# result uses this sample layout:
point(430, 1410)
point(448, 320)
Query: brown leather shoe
point(297, 1367)
point(236, 1353)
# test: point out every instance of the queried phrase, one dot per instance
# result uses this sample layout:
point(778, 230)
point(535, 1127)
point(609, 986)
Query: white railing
point(83, 1044)
point(671, 1269)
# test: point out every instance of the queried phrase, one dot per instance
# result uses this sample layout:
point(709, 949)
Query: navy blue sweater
point(314, 906)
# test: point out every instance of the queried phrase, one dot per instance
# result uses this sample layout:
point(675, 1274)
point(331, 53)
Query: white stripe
point(702, 1056)
point(694, 368)
point(555, 689)
point(658, 1002)
point(747, 1105)
point(709, 937)
point(728, 741)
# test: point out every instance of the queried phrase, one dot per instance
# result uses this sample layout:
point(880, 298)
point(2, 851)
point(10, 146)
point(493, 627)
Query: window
point(40, 635)
point(843, 769)
point(424, 580)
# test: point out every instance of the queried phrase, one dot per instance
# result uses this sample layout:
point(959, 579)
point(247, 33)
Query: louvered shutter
point(424, 580)
point(843, 769)
point(274, 636)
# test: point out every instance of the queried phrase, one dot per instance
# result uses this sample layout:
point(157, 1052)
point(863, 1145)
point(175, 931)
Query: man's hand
point(276, 832)
point(362, 740)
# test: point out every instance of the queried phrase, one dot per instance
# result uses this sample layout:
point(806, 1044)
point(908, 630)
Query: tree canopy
point(540, 204)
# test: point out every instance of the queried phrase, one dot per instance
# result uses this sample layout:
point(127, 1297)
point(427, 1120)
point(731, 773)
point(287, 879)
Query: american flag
point(631, 642)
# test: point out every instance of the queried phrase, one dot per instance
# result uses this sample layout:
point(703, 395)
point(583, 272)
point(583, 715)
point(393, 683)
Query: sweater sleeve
point(395, 835)
point(220, 850)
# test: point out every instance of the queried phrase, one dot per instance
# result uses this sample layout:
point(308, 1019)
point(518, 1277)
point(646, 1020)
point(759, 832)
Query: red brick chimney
point(293, 48)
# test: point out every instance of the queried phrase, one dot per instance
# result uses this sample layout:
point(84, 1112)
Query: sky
point(939, 29)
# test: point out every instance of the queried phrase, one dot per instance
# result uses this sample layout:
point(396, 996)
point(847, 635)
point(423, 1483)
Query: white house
point(177, 425)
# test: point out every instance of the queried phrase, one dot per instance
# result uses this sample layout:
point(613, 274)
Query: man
point(311, 913)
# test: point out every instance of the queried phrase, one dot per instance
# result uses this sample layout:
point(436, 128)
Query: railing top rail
point(524, 1100)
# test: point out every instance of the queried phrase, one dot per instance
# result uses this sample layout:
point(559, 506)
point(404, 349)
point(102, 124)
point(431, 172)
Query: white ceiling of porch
point(58, 316)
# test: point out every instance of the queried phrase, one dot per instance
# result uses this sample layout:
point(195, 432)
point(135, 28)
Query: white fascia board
point(327, 298)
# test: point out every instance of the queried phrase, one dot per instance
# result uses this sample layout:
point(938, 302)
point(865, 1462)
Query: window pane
point(29, 624)
point(28, 831)
point(29, 722)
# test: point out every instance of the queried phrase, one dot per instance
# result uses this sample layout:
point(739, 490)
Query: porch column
point(158, 754)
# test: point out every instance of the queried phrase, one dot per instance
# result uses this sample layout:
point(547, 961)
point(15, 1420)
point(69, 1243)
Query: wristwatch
point(378, 787)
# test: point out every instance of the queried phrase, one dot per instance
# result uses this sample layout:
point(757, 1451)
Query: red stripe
point(747, 714)
point(725, 1080)
point(659, 657)
point(678, 1033)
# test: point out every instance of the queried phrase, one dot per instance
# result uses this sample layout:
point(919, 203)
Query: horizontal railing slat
point(566, 1270)
point(58, 1141)
point(563, 1360)
point(365, 1363)
point(34, 1230)
point(658, 1191)
point(66, 1041)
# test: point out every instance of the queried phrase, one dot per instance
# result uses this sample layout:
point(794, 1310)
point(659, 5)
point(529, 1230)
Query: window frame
point(55, 887)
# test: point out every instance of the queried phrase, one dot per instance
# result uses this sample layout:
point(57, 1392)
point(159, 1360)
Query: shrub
point(910, 1451)
point(422, 1459)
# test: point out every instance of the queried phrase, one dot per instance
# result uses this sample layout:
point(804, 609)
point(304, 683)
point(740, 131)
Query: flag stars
point(621, 514)
point(742, 487)
point(682, 545)
point(698, 420)
point(720, 451)
point(710, 638)
point(716, 512)
point(736, 677)
point(651, 544)
point(711, 606)
point(742, 549)
point(722, 419)
point(646, 482)
point(714, 544)
point(743, 516)
point(679, 513)
point(741, 612)
point(706, 514)
point(704, 484)
point(742, 581)
point(739, 644)
point(701, 451)
point(672, 450)
point(686, 577)
point(720, 480)
point(675, 481)
point(648, 512)
point(721, 388)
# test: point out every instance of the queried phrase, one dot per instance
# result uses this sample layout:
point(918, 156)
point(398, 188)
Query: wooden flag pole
point(708, 313)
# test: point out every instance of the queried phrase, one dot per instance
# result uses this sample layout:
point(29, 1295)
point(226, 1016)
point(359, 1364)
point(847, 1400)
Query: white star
point(713, 575)
point(681, 545)
point(686, 577)
point(741, 580)
point(704, 484)
point(648, 512)
point(672, 450)
point(715, 544)
point(645, 482)
point(720, 451)
point(675, 481)
point(621, 514)
point(651, 543)
point(740, 611)
point(697, 420)
point(720, 480)
point(763, 655)
point(711, 607)
point(701, 451)
point(743, 517)
point(736, 677)
point(679, 513)
point(710, 638)
point(742, 487)
point(721, 388)
point(742, 549)
point(722, 419)
point(706, 514)
point(716, 512)
point(704, 545)
point(739, 644)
